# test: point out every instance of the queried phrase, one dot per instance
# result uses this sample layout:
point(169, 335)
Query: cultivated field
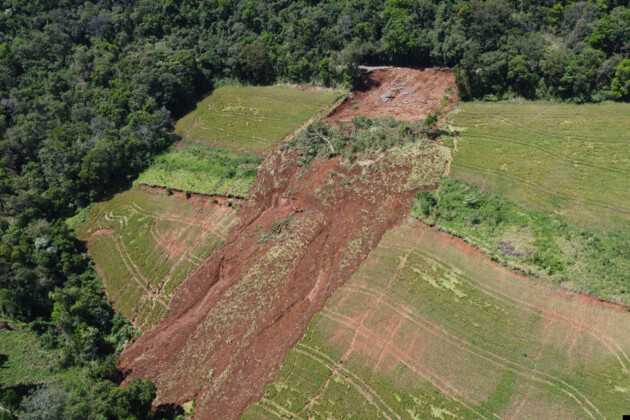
point(146, 243)
point(430, 328)
point(558, 158)
point(202, 169)
point(253, 119)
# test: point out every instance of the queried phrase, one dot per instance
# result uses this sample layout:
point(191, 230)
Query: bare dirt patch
point(405, 94)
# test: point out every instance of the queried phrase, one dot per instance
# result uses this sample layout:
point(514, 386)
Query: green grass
point(146, 243)
point(253, 119)
point(201, 169)
point(565, 159)
point(545, 247)
point(425, 329)
point(29, 363)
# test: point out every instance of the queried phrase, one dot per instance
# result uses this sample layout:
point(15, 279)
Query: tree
point(620, 86)
point(523, 80)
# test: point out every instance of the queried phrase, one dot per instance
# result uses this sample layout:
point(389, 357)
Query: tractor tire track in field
point(149, 293)
point(490, 357)
point(392, 279)
point(607, 341)
point(359, 385)
point(573, 322)
point(550, 152)
point(545, 189)
point(398, 354)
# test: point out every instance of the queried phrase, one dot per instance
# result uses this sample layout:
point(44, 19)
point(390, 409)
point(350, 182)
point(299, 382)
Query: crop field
point(253, 119)
point(202, 169)
point(558, 158)
point(428, 327)
point(145, 243)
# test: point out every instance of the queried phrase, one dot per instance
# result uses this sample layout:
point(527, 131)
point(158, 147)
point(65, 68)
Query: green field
point(29, 363)
point(562, 159)
point(430, 328)
point(253, 119)
point(544, 247)
point(145, 243)
point(202, 169)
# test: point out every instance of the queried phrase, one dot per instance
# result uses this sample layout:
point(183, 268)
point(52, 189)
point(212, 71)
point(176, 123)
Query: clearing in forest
point(558, 158)
point(430, 328)
point(253, 118)
point(145, 243)
point(197, 168)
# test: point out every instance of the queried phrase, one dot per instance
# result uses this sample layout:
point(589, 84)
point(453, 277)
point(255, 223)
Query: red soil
point(405, 94)
point(225, 359)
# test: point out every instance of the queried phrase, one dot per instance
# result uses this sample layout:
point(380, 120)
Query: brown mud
point(303, 232)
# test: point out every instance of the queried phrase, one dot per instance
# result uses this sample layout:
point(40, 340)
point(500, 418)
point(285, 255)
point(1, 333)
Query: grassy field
point(145, 243)
point(567, 159)
point(253, 119)
point(446, 334)
point(542, 246)
point(31, 364)
point(202, 169)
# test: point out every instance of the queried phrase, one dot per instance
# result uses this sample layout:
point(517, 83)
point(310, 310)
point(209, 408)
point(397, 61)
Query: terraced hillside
point(145, 243)
point(559, 158)
point(430, 328)
point(253, 119)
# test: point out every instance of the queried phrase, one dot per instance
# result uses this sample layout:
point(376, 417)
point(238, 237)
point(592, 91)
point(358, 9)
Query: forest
point(89, 92)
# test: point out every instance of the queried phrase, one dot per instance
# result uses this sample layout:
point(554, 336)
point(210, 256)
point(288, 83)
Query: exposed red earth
point(303, 232)
point(405, 94)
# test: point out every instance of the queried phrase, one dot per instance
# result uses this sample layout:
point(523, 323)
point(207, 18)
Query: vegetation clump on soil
point(201, 169)
point(253, 118)
point(448, 333)
point(146, 243)
point(360, 139)
point(540, 245)
point(557, 158)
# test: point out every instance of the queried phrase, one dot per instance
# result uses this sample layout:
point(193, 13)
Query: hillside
point(428, 327)
point(145, 243)
point(90, 93)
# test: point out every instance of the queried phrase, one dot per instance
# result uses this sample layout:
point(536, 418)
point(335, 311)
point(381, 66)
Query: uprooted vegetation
point(361, 138)
point(304, 231)
point(543, 246)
